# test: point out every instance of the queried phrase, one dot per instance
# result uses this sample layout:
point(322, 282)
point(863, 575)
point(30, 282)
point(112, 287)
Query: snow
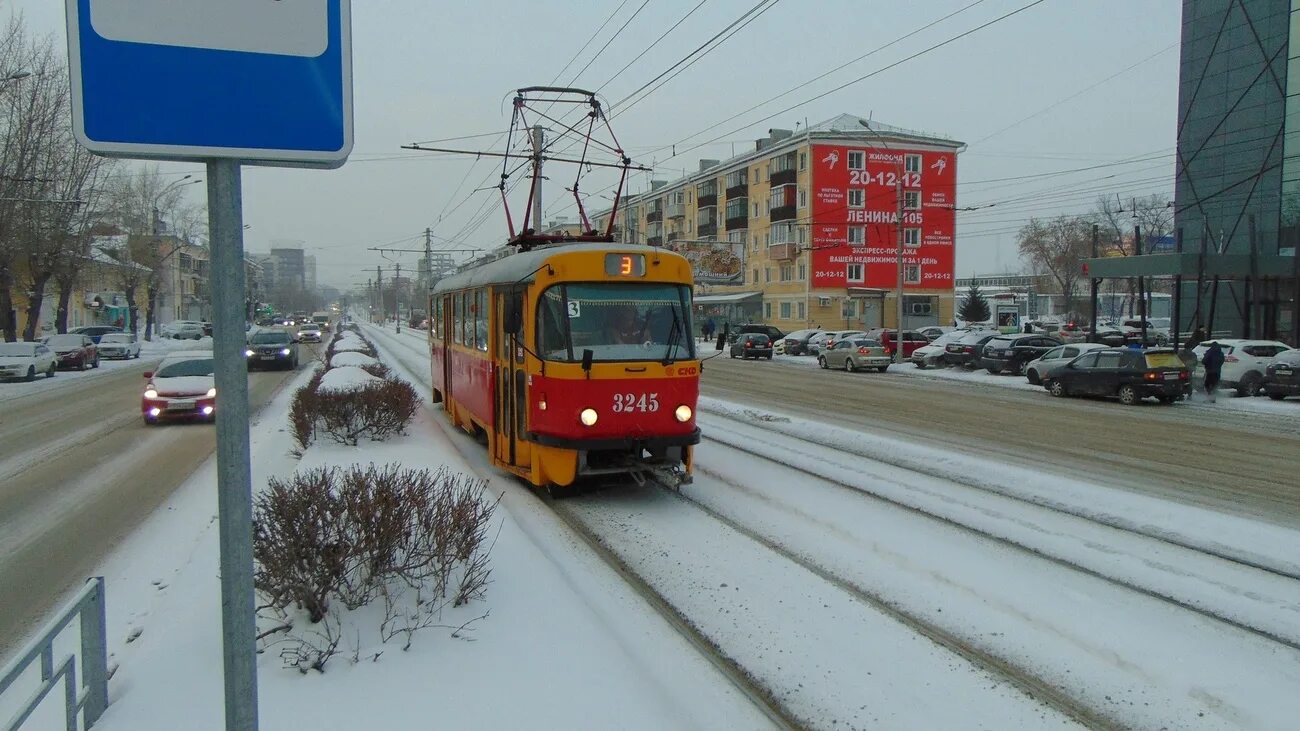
point(352, 358)
point(150, 354)
point(347, 378)
point(345, 345)
point(183, 385)
point(566, 644)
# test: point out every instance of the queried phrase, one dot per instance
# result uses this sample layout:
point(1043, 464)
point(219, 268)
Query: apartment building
point(804, 230)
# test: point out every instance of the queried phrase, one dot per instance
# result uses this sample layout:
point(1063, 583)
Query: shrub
point(378, 369)
point(303, 410)
point(377, 411)
point(351, 535)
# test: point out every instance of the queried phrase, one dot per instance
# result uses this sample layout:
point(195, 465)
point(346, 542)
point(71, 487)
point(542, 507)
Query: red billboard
point(854, 231)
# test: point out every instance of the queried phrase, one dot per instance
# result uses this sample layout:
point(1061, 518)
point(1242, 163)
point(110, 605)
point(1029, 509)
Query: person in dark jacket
point(1213, 362)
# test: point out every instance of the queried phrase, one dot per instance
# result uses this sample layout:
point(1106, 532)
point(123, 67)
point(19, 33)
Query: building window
point(755, 278)
point(857, 235)
point(803, 198)
point(802, 314)
point(767, 310)
point(911, 163)
point(753, 210)
point(767, 274)
point(912, 274)
point(911, 237)
point(803, 165)
point(803, 273)
point(785, 310)
point(857, 159)
point(850, 308)
point(767, 238)
point(855, 273)
point(802, 234)
point(736, 178)
point(787, 273)
point(857, 197)
point(912, 200)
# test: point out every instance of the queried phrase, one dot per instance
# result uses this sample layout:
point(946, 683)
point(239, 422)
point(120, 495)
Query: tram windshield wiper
point(674, 335)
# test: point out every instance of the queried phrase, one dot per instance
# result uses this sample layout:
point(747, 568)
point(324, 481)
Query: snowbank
point(352, 358)
point(346, 378)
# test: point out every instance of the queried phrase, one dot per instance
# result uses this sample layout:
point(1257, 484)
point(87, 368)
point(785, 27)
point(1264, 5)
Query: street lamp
point(16, 75)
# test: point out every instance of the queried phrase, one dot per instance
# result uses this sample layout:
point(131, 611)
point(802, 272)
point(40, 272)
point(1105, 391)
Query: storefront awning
point(723, 299)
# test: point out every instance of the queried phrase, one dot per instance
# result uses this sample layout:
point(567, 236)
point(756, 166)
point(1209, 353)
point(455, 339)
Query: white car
point(931, 356)
point(1244, 362)
point(184, 386)
point(934, 332)
point(119, 345)
point(183, 329)
point(26, 360)
point(1043, 366)
point(818, 343)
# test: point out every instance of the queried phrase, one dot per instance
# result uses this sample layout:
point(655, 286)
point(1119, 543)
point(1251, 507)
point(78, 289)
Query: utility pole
point(397, 298)
point(1140, 250)
point(379, 292)
point(428, 265)
point(537, 178)
point(1093, 284)
point(898, 339)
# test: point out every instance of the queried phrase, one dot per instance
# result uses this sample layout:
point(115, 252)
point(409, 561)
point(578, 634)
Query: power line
point(611, 40)
point(652, 44)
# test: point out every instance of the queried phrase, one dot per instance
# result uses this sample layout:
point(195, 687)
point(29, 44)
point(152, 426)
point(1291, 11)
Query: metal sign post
point(240, 82)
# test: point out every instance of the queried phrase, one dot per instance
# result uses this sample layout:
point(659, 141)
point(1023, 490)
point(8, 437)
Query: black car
point(1129, 374)
point(271, 348)
point(1013, 352)
point(968, 349)
point(1282, 377)
point(752, 345)
point(95, 332)
point(773, 334)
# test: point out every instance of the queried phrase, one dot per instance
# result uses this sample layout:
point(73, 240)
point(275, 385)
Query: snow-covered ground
point(149, 352)
point(863, 582)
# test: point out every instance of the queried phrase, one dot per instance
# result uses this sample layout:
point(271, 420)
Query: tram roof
point(521, 267)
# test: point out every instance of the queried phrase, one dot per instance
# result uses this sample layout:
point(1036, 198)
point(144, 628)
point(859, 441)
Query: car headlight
point(588, 417)
point(151, 393)
point(286, 351)
point(212, 392)
point(683, 413)
point(248, 354)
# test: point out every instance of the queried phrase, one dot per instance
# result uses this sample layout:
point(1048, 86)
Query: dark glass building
point(1237, 194)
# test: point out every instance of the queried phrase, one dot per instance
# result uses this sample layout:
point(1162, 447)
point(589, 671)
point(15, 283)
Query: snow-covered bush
point(328, 537)
point(356, 397)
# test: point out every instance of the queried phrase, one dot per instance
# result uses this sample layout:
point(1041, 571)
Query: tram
point(572, 360)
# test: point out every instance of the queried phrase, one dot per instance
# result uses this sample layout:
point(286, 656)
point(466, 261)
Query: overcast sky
point(1065, 84)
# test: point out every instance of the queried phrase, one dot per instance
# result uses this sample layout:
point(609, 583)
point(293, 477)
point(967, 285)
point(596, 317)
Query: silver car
point(852, 353)
point(825, 340)
point(119, 345)
point(1043, 366)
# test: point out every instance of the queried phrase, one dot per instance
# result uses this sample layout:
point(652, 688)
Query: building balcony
point(675, 235)
point(783, 252)
point(677, 210)
point(738, 191)
point(737, 223)
point(707, 229)
point(782, 213)
point(783, 177)
point(654, 241)
point(654, 216)
point(706, 201)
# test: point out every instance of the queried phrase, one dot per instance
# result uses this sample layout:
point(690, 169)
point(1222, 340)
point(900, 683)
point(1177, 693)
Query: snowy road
point(78, 471)
point(809, 561)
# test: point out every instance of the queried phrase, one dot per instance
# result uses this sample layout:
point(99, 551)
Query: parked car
point(271, 348)
point(911, 340)
point(26, 360)
point(934, 332)
point(207, 328)
point(182, 387)
point(931, 356)
point(1282, 377)
point(95, 331)
point(183, 330)
point(796, 343)
point(119, 345)
point(773, 334)
point(1013, 352)
point(1129, 374)
point(855, 352)
point(1244, 362)
point(1048, 362)
point(818, 343)
point(752, 345)
point(74, 351)
point(967, 350)
point(309, 333)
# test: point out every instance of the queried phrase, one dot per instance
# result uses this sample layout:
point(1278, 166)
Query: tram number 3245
point(630, 402)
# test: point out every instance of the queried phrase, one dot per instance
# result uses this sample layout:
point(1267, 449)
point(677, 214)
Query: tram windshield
point(615, 321)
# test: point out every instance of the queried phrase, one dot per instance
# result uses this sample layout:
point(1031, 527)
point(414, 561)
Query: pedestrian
point(1029, 326)
point(1213, 362)
point(1198, 337)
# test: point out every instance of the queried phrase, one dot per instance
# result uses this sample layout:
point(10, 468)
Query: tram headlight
point(683, 413)
point(588, 417)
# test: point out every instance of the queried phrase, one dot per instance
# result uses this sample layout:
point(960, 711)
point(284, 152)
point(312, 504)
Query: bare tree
point(1116, 220)
point(1057, 247)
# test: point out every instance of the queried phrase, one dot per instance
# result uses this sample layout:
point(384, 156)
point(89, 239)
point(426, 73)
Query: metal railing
point(91, 696)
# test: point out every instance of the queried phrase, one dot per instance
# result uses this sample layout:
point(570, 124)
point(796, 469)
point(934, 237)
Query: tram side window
point(435, 316)
point(481, 320)
point(457, 313)
point(550, 329)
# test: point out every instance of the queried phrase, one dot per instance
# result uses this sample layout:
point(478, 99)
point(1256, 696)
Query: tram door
point(511, 407)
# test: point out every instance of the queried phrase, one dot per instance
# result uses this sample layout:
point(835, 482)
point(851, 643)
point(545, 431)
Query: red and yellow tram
point(572, 360)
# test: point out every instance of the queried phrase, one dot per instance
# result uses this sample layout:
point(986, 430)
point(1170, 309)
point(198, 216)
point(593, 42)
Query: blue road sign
point(258, 81)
